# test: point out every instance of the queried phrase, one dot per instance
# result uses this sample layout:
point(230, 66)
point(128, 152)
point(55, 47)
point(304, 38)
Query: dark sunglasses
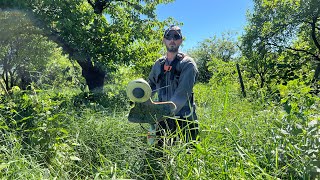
point(172, 36)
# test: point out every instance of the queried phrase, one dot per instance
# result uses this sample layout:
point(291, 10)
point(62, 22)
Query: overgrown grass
point(72, 135)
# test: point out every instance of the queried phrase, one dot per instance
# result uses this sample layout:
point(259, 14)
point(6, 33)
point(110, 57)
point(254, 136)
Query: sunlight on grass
point(73, 137)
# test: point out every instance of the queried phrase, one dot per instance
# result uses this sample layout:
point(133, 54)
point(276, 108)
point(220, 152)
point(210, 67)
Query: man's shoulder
point(160, 60)
point(185, 58)
point(188, 61)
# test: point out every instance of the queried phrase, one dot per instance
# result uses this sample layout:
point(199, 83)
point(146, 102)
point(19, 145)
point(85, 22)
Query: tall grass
point(73, 135)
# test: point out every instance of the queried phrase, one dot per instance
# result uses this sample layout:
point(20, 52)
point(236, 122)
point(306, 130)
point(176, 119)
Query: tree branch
point(89, 1)
point(318, 28)
point(298, 50)
point(100, 5)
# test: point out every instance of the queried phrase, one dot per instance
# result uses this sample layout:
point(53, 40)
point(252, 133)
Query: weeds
point(70, 135)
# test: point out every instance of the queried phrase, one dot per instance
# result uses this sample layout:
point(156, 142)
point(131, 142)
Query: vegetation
point(54, 126)
point(212, 50)
point(99, 33)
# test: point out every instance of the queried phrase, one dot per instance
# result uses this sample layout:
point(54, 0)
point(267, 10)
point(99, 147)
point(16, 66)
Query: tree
point(98, 33)
point(22, 49)
point(280, 27)
point(223, 48)
point(259, 61)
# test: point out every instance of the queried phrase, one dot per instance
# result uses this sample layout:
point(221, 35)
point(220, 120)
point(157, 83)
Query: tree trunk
point(316, 73)
point(262, 80)
point(6, 80)
point(315, 84)
point(94, 76)
point(241, 81)
point(25, 81)
point(3, 88)
point(11, 79)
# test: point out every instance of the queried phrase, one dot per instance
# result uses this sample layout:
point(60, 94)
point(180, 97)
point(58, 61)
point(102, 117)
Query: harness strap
point(162, 62)
point(173, 65)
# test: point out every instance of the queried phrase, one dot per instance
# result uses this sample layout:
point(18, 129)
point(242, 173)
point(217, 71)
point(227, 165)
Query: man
point(173, 77)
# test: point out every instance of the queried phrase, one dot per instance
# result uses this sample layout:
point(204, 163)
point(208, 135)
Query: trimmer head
point(139, 90)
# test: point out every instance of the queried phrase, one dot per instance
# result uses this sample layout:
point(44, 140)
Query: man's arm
point(186, 82)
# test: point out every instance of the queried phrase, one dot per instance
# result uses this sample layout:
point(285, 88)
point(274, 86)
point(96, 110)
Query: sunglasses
point(172, 36)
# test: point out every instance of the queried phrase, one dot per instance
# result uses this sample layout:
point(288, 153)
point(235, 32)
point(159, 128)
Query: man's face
point(172, 40)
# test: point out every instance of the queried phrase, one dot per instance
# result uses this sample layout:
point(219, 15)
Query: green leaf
point(75, 158)
point(3, 166)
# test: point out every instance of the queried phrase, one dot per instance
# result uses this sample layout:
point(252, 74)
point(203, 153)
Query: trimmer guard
point(150, 112)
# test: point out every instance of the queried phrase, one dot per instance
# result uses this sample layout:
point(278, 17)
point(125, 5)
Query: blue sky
point(203, 19)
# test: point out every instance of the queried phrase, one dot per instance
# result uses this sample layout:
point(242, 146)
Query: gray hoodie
point(179, 88)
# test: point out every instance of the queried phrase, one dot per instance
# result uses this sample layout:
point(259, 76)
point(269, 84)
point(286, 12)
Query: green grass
point(48, 135)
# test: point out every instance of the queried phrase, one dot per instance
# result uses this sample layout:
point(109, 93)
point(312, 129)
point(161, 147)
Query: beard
point(172, 48)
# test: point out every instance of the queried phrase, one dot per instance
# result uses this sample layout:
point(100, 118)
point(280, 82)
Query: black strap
point(178, 58)
point(173, 69)
point(162, 62)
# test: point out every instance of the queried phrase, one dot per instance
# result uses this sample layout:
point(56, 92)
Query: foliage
point(36, 121)
point(296, 134)
point(99, 34)
point(211, 49)
point(57, 132)
point(60, 72)
point(223, 72)
point(23, 50)
point(27, 57)
point(277, 27)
